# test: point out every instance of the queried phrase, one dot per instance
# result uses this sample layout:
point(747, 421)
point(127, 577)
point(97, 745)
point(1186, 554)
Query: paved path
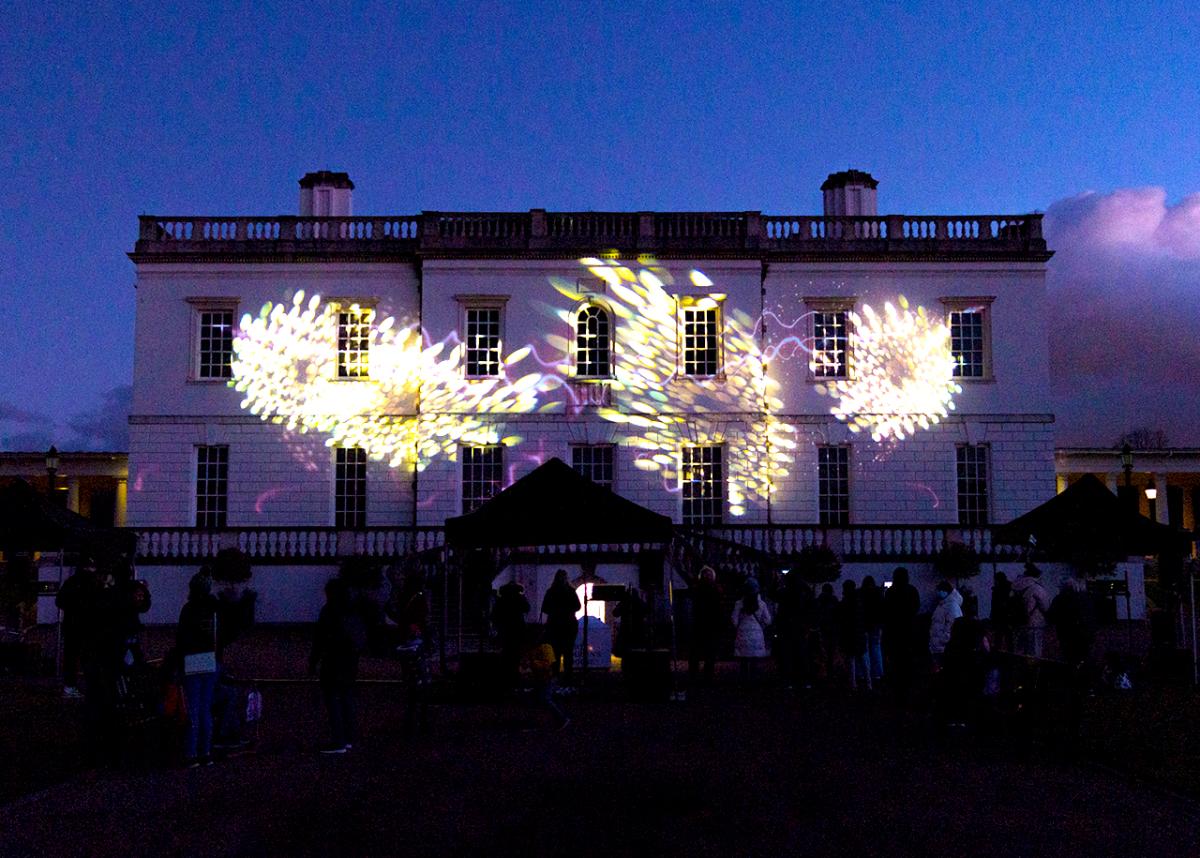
point(761, 773)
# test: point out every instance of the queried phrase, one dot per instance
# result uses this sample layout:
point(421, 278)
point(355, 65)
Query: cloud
point(106, 428)
point(1124, 289)
point(22, 429)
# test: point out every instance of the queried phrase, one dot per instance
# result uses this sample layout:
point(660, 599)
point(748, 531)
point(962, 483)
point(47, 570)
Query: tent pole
point(446, 555)
point(1195, 664)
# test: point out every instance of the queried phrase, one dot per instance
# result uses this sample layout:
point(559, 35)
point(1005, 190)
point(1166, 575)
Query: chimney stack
point(325, 194)
point(850, 193)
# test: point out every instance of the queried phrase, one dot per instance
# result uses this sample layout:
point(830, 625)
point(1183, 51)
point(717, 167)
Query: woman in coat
point(751, 619)
point(196, 647)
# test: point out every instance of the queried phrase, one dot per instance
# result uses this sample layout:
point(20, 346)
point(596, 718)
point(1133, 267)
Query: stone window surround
point(982, 303)
point(482, 302)
point(828, 304)
point(199, 305)
point(687, 302)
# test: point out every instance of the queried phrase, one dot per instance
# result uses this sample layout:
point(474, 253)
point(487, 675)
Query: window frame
point(345, 518)
point(612, 463)
point(470, 504)
point(467, 303)
point(845, 306)
point(198, 307)
point(702, 519)
point(347, 305)
point(691, 303)
point(981, 304)
point(610, 341)
point(826, 515)
point(220, 514)
point(971, 517)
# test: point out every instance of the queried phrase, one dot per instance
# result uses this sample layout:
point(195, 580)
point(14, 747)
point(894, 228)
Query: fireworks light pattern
point(285, 366)
point(901, 374)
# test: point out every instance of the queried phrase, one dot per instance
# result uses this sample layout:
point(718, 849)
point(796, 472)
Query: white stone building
point(690, 360)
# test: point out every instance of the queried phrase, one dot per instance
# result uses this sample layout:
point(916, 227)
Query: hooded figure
point(1035, 600)
point(949, 609)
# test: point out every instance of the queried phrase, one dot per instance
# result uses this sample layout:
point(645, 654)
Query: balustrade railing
point(645, 231)
point(862, 542)
point(275, 544)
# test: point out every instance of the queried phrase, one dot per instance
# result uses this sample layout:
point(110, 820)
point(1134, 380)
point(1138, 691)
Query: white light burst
point(901, 374)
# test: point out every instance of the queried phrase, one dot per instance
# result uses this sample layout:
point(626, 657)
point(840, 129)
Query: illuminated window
point(216, 343)
point(973, 484)
point(970, 336)
point(594, 461)
point(833, 485)
point(703, 485)
point(212, 486)
point(701, 341)
point(593, 343)
point(829, 350)
point(353, 341)
point(483, 341)
point(350, 487)
point(482, 470)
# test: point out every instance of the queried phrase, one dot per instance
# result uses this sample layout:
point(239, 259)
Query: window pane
point(829, 344)
point(592, 343)
point(212, 486)
point(354, 338)
point(701, 341)
point(482, 469)
point(703, 485)
point(483, 341)
point(966, 343)
point(216, 344)
point(350, 487)
point(594, 461)
point(973, 484)
point(833, 485)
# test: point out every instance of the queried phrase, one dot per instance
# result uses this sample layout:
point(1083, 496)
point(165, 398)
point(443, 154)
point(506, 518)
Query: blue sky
point(219, 108)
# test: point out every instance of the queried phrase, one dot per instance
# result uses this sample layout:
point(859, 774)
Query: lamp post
point(51, 471)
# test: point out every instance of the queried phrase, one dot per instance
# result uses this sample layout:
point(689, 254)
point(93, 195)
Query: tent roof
point(1087, 515)
point(555, 505)
point(29, 521)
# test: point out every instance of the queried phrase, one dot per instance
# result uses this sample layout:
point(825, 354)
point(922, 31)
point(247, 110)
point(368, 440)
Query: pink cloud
point(1124, 291)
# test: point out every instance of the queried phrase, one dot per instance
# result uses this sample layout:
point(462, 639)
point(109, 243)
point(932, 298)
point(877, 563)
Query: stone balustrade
point(586, 233)
point(862, 542)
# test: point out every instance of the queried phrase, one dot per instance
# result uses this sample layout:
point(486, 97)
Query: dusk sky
point(1088, 111)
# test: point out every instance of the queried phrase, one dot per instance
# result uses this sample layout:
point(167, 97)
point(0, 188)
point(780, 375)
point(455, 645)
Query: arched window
point(593, 343)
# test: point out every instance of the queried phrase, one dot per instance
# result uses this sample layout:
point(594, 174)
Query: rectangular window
point(973, 484)
point(703, 485)
point(212, 486)
point(483, 341)
point(350, 487)
point(966, 343)
point(482, 471)
point(353, 341)
point(701, 341)
point(830, 344)
point(216, 344)
point(594, 461)
point(833, 485)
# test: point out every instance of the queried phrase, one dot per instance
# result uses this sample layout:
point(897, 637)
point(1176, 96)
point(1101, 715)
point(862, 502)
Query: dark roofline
point(849, 177)
point(325, 177)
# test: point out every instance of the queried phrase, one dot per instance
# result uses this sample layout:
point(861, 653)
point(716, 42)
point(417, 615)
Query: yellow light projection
point(660, 408)
point(286, 365)
point(901, 375)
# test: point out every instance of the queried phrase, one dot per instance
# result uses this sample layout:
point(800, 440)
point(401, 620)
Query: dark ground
point(731, 771)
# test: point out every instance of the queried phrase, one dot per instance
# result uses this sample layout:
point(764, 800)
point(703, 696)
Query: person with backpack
point(1035, 605)
point(340, 639)
point(751, 620)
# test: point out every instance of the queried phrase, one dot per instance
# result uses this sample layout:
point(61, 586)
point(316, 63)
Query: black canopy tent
point(30, 522)
point(1087, 516)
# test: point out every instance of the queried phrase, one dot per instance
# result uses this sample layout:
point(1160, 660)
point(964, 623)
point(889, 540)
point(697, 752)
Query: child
point(541, 667)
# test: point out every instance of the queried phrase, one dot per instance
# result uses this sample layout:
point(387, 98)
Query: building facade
point(309, 382)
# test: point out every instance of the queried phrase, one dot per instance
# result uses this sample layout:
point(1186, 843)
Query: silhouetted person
point(1073, 613)
point(337, 643)
point(901, 604)
point(793, 626)
point(852, 637)
point(196, 646)
point(945, 612)
point(542, 662)
point(78, 601)
point(708, 621)
point(412, 615)
point(1035, 602)
point(1001, 616)
point(827, 628)
point(560, 605)
point(633, 614)
point(751, 619)
point(964, 669)
point(509, 616)
point(872, 602)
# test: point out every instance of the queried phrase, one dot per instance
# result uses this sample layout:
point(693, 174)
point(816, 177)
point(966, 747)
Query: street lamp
point(51, 470)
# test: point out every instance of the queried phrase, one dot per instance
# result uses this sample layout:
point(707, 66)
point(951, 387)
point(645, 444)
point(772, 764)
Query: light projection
point(902, 373)
point(286, 366)
point(657, 406)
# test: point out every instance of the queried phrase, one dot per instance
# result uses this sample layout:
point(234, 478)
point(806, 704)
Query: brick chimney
point(850, 193)
point(325, 194)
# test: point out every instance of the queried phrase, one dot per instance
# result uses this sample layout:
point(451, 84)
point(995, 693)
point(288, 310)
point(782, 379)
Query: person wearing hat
point(751, 619)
